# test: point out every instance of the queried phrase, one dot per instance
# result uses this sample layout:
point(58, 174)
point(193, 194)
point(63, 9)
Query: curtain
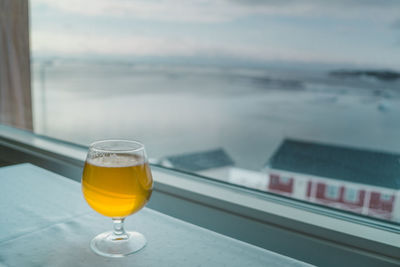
point(15, 76)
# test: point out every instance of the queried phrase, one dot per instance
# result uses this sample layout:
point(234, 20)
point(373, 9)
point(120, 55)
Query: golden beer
point(117, 185)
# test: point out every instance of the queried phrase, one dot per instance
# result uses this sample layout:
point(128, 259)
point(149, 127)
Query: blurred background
point(296, 98)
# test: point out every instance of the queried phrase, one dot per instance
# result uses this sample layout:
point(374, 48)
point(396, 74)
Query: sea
point(177, 109)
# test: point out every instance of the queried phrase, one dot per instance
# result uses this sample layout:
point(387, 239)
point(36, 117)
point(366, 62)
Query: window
point(351, 195)
point(230, 90)
point(285, 180)
point(386, 197)
point(243, 92)
point(332, 192)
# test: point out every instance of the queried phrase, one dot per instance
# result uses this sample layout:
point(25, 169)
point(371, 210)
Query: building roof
point(338, 162)
point(201, 161)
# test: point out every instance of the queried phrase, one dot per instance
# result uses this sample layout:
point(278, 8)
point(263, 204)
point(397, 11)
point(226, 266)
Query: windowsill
point(312, 223)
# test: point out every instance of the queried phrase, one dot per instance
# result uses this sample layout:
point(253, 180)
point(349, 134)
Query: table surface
point(44, 221)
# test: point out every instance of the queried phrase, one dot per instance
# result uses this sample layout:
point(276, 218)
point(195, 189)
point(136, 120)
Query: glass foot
point(109, 245)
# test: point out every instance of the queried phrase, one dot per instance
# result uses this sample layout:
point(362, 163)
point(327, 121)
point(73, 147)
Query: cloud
point(396, 24)
point(171, 10)
point(209, 11)
point(73, 44)
point(270, 41)
point(78, 43)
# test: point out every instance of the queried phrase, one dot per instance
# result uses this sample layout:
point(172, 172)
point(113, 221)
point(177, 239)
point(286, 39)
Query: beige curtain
point(15, 76)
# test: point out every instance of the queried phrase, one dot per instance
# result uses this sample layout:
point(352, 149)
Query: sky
point(362, 33)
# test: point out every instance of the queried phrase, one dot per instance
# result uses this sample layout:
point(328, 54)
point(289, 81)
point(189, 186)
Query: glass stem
point(119, 231)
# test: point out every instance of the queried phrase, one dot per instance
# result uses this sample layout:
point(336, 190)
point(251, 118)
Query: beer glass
point(117, 182)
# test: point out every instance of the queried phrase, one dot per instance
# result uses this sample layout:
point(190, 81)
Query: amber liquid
point(118, 186)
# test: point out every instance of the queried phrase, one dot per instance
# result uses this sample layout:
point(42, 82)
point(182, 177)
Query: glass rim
point(140, 146)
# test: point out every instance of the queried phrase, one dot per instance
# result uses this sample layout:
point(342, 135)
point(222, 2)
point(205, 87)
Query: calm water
point(178, 109)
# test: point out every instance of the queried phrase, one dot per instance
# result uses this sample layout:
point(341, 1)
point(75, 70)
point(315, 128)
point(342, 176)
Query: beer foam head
point(115, 160)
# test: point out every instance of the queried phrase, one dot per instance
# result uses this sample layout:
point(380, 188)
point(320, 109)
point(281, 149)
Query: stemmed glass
point(117, 182)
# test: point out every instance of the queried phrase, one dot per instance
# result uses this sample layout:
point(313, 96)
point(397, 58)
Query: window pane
point(284, 97)
point(332, 192)
point(351, 195)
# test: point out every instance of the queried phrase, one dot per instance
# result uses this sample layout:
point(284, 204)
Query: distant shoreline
point(382, 75)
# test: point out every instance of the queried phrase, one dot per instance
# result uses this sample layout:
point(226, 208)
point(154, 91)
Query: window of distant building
point(351, 195)
point(332, 191)
point(285, 180)
point(386, 197)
